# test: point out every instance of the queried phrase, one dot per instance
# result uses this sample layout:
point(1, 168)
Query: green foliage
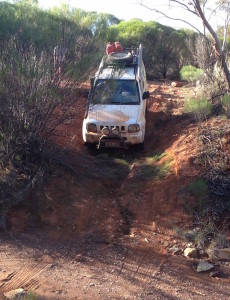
point(44, 29)
point(198, 188)
point(165, 48)
point(28, 296)
point(30, 93)
point(191, 73)
point(225, 101)
point(199, 108)
point(207, 236)
point(155, 157)
point(150, 168)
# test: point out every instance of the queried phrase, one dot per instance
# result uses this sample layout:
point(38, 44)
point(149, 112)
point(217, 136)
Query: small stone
point(15, 294)
point(91, 284)
point(217, 273)
point(174, 250)
point(190, 252)
point(177, 84)
point(52, 266)
point(166, 243)
point(204, 266)
point(219, 254)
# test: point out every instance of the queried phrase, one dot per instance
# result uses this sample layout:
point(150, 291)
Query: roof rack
point(129, 57)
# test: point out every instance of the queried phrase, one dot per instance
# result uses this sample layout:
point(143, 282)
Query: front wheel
point(89, 145)
point(140, 146)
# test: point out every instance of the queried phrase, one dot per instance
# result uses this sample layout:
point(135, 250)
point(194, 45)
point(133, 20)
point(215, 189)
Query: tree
point(33, 101)
point(165, 48)
point(200, 8)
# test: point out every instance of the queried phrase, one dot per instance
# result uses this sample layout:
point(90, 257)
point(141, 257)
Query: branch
point(184, 6)
point(207, 25)
point(166, 16)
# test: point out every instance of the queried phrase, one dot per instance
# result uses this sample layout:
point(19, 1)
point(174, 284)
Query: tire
point(120, 57)
point(141, 146)
point(90, 146)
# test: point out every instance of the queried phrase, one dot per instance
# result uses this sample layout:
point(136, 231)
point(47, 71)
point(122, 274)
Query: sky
point(122, 9)
point(129, 9)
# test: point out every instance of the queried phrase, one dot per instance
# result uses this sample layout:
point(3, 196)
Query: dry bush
point(32, 106)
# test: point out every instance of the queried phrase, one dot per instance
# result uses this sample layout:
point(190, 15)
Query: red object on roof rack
point(110, 47)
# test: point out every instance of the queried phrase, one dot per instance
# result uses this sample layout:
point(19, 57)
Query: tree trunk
point(216, 43)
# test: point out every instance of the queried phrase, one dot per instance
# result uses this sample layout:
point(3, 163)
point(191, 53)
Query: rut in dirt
point(101, 178)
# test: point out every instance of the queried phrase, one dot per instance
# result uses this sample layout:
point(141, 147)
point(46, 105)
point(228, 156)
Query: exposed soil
point(104, 223)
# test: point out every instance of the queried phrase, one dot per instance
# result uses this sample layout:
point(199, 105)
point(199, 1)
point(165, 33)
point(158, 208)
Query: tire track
point(142, 268)
point(26, 277)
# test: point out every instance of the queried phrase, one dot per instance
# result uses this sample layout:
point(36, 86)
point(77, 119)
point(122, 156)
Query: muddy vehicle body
point(117, 103)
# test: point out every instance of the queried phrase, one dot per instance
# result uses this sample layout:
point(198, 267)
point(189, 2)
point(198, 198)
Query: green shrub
point(191, 73)
point(200, 108)
point(198, 188)
point(225, 101)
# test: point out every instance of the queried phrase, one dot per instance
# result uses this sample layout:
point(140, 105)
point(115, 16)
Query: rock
point(217, 273)
point(219, 254)
point(15, 294)
point(174, 250)
point(166, 244)
point(91, 284)
point(204, 266)
point(150, 293)
point(190, 252)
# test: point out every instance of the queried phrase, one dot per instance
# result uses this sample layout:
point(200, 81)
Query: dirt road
point(105, 224)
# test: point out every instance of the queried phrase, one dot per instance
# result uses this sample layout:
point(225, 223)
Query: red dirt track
point(96, 232)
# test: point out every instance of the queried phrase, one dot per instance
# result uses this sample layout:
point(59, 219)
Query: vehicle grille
point(121, 128)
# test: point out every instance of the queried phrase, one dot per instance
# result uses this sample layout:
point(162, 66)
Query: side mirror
point(91, 81)
point(145, 95)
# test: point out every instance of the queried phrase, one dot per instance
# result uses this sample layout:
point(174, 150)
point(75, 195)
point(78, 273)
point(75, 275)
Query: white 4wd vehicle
point(116, 108)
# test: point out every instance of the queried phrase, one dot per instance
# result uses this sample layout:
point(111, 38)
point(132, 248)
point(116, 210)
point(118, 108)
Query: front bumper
point(122, 141)
point(111, 142)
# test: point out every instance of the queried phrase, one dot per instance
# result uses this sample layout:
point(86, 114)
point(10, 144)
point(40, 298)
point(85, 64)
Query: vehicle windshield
point(112, 91)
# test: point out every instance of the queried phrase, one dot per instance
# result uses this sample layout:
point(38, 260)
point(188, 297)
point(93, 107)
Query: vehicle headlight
point(105, 131)
point(91, 127)
point(134, 128)
point(115, 131)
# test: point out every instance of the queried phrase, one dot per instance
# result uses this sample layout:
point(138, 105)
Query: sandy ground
point(102, 230)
